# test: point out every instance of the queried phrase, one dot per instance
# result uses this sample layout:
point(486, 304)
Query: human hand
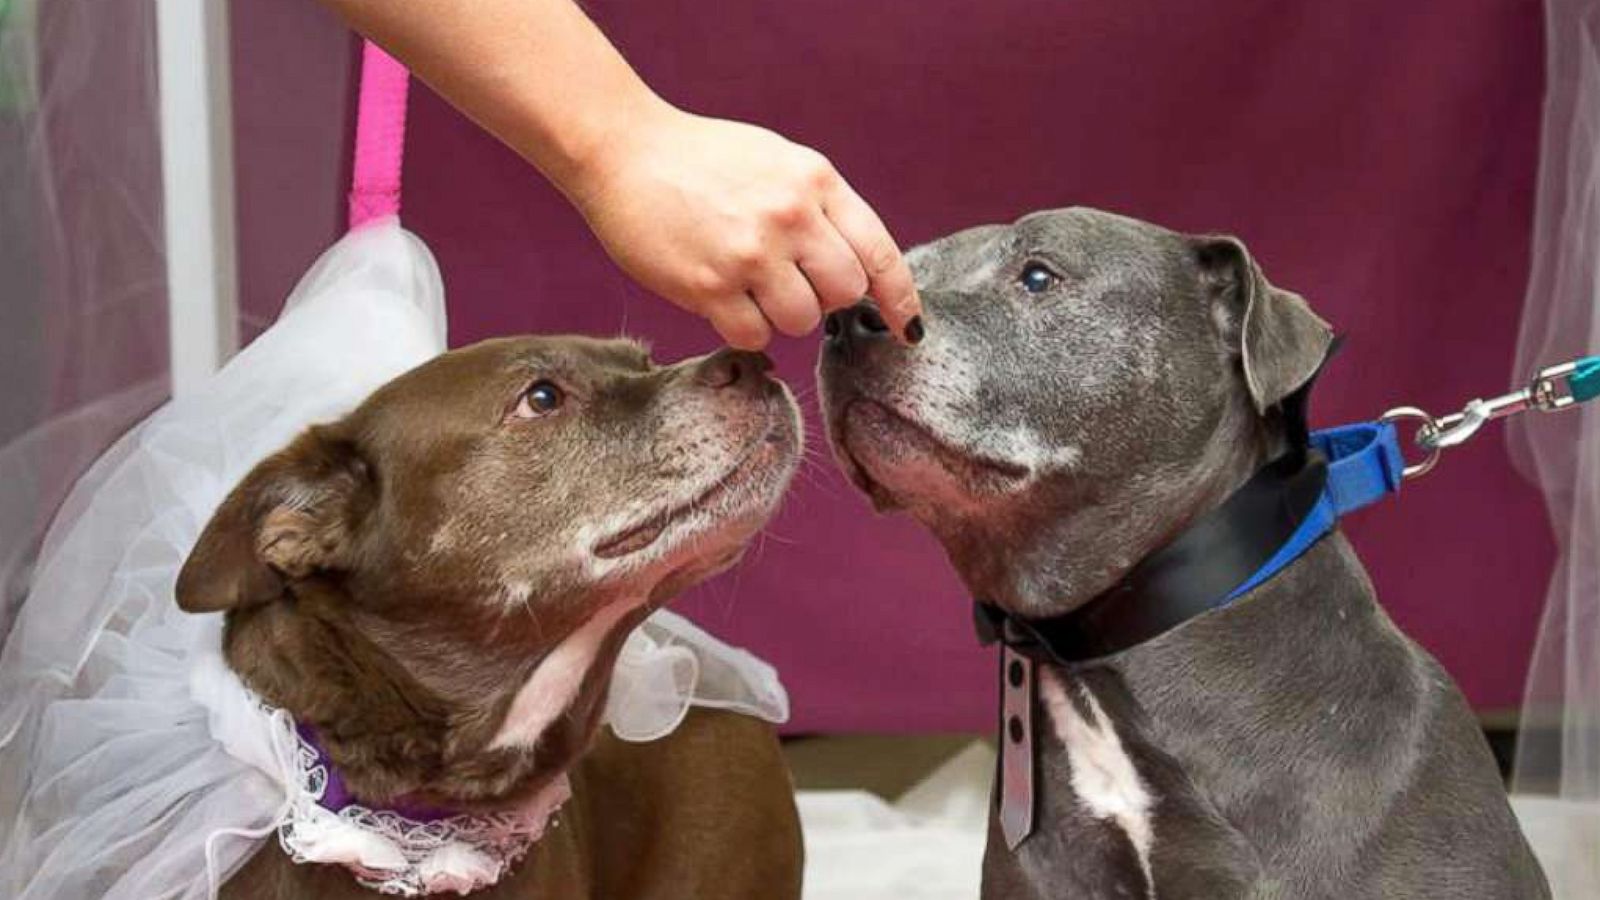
point(739, 225)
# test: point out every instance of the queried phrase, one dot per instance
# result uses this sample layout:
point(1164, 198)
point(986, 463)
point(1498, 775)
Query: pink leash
point(380, 137)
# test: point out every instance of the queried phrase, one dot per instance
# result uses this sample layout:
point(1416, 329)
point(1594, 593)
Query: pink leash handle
point(380, 137)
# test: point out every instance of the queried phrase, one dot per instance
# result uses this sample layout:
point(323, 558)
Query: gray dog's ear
point(295, 514)
point(1280, 342)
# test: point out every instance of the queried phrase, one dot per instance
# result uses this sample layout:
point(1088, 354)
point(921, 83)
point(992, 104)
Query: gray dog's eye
point(540, 399)
point(1036, 278)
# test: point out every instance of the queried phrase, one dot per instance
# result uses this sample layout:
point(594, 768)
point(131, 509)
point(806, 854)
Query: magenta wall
point(293, 118)
point(1378, 157)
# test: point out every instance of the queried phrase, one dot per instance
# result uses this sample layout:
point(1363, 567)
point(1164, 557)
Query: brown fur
point(394, 578)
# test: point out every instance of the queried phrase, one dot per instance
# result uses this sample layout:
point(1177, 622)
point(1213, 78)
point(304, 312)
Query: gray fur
point(1295, 744)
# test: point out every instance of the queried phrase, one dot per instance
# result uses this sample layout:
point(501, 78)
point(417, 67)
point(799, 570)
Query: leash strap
point(380, 137)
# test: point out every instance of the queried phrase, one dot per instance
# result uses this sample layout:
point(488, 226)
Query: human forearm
point(728, 220)
point(538, 74)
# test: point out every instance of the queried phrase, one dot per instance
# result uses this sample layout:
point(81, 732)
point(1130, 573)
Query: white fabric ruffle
point(118, 780)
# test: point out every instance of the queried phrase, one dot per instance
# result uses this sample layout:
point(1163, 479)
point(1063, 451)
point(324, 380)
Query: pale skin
point(727, 220)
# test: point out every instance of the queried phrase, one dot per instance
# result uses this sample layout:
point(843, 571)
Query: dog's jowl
point(437, 586)
point(1088, 388)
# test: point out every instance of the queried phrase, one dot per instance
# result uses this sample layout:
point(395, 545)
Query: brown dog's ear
point(1280, 341)
point(296, 513)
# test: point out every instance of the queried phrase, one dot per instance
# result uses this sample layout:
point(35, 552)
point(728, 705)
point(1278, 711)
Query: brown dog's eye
point(1036, 278)
point(540, 399)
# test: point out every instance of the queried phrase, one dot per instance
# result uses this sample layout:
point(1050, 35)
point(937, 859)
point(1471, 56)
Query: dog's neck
point(423, 729)
point(1070, 548)
point(1166, 724)
point(1106, 762)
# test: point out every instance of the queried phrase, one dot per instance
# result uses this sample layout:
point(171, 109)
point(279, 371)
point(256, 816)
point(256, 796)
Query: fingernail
point(914, 330)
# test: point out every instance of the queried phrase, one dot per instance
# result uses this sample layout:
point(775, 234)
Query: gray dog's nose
point(858, 324)
point(728, 368)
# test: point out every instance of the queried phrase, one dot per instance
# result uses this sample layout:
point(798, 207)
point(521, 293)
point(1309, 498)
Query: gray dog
point(1088, 386)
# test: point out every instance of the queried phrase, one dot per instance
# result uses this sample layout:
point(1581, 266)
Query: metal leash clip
point(1554, 388)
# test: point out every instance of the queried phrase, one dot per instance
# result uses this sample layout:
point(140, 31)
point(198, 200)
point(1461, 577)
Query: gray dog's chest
point(1094, 807)
point(1295, 745)
point(1109, 802)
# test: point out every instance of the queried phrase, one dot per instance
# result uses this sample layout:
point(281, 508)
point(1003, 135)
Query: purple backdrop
point(1377, 157)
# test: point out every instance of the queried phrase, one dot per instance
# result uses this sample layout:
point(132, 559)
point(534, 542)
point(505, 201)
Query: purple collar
point(406, 848)
point(336, 794)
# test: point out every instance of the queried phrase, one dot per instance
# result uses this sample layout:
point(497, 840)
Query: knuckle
point(821, 174)
point(880, 257)
point(705, 283)
point(746, 253)
point(789, 213)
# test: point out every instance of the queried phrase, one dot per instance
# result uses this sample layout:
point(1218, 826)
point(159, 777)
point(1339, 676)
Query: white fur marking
point(554, 684)
point(442, 539)
point(938, 392)
point(1023, 445)
point(1103, 775)
point(516, 593)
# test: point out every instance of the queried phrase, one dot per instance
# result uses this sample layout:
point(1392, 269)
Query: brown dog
point(440, 582)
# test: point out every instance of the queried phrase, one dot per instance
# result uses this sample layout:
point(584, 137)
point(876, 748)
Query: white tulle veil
point(121, 776)
point(133, 765)
point(1557, 774)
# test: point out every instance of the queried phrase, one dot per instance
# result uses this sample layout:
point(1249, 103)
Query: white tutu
point(116, 779)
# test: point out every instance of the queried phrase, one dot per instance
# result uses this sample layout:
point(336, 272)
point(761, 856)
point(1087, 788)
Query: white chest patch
point(555, 683)
point(1103, 775)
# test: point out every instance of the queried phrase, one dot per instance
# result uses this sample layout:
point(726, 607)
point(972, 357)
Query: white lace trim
point(392, 854)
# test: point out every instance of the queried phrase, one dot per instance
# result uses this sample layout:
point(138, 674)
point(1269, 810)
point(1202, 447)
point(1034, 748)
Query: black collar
point(1189, 576)
point(1193, 574)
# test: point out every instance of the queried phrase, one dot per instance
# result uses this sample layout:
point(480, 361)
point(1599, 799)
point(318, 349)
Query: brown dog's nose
point(858, 324)
point(728, 368)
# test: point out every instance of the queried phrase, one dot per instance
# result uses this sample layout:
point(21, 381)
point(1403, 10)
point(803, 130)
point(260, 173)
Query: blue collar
point(1364, 466)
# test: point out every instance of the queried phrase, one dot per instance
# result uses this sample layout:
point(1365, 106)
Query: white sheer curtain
point(1558, 755)
point(83, 344)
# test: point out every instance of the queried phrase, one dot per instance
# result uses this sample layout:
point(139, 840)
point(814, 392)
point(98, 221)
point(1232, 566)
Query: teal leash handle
point(1584, 382)
point(1557, 387)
